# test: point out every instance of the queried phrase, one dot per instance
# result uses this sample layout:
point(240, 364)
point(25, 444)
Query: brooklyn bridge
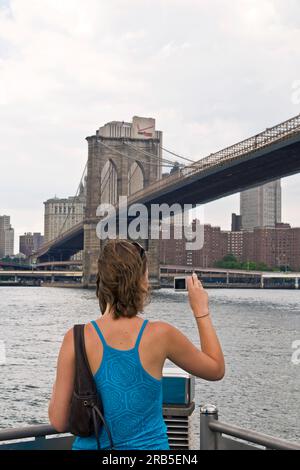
point(125, 159)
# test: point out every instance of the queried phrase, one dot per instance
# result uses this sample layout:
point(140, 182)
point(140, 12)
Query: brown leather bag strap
point(96, 410)
point(85, 385)
point(84, 380)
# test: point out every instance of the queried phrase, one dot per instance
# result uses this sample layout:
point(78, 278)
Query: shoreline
point(79, 286)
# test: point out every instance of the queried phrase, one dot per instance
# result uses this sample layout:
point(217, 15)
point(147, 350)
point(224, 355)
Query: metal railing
point(45, 437)
point(215, 435)
point(34, 438)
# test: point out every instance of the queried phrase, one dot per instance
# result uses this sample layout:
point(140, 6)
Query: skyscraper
point(261, 206)
point(61, 214)
point(6, 237)
point(235, 223)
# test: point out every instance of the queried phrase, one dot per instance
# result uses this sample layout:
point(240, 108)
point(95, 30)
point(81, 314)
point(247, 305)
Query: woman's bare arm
point(208, 362)
point(59, 405)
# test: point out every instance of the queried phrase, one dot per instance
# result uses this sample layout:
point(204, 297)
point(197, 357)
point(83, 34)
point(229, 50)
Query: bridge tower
point(123, 158)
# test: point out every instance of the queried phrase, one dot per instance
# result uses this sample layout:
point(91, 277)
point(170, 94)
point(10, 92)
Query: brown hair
point(120, 278)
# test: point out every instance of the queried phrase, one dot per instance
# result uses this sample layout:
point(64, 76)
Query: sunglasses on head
point(140, 248)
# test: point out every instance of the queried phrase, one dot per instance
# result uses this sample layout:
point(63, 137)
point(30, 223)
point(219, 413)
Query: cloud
point(210, 72)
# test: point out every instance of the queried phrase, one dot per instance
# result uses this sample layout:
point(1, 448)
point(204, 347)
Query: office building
point(261, 206)
point(6, 237)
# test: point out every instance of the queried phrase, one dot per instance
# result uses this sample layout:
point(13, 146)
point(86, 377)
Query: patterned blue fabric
point(132, 401)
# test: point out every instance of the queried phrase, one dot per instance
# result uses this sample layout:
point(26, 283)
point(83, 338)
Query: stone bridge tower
point(123, 158)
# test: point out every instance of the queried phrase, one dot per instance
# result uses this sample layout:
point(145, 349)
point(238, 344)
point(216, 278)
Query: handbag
point(86, 410)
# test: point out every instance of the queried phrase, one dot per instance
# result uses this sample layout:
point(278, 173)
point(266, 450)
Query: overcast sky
point(211, 72)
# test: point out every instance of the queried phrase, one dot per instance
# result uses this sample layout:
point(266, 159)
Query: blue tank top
point(132, 401)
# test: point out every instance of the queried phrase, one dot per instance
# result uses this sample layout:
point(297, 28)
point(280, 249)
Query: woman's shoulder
point(159, 328)
point(160, 334)
point(165, 331)
point(68, 340)
point(67, 349)
point(68, 337)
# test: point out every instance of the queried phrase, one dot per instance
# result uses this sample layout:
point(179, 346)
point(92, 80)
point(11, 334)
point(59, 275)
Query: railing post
point(262, 285)
point(208, 438)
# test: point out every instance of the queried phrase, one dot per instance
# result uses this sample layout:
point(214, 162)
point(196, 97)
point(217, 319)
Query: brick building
point(278, 246)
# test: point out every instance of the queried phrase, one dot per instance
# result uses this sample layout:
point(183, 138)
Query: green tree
point(229, 261)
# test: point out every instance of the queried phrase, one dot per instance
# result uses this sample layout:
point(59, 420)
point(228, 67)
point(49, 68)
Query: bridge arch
point(109, 183)
point(136, 178)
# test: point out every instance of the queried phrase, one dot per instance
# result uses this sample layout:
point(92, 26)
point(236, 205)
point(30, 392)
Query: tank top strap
point(99, 332)
point(140, 334)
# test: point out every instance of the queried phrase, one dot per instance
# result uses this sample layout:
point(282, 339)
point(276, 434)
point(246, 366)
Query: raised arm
point(207, 362)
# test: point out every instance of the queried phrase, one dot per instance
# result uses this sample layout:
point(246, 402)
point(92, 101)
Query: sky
point(211, 72)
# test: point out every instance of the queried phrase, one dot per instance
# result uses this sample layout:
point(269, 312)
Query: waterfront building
point(277, 247)
point(30, 242)
point(235, 243)
point(6, 237)
point(62, 214)
point(173, 251)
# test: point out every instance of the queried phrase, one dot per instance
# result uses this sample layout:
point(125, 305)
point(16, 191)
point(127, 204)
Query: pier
point(232, 278)
point(210, 277)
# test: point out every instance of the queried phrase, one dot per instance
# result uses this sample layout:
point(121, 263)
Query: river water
point(261, 388)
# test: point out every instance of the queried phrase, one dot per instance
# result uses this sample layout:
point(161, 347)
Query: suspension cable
point(131, 176)
point(176, 155)
point(108, 175)
point(168, 164)
point(148, 154)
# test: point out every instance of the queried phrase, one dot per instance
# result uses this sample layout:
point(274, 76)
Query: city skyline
point(118, 62)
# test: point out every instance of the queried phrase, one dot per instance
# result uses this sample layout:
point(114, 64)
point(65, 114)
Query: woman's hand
point(198, 297)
